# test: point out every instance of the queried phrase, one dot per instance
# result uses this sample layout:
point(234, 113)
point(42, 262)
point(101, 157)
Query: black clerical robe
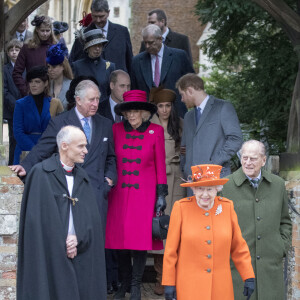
point(44, 270)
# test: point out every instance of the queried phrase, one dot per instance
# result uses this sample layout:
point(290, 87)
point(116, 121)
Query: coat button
point(258, 257)
point(207, 214)
point(258, 218)
point(209, 242)
point(256, 200)
point(258, 237)
point(208, 270)
point(207, 227)
point(208, 256)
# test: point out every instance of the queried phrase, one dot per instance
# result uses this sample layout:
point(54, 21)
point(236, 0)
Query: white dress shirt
point(104, 29)
point(160, 58)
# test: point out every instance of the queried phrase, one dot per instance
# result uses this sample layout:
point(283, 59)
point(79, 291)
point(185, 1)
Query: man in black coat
point(168, 64)
point(171, 38)
point(61, 248)
point(119, 84)
point(100, 162)
point(118, 48)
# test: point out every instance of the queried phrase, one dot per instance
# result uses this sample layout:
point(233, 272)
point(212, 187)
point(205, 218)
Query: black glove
point(170, 292)
point(161, 193)
point(249, 287)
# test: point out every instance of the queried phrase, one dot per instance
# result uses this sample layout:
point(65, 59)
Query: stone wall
point(11, 189)
point(181, 18)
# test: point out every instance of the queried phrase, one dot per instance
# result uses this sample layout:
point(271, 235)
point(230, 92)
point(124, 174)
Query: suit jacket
point(175, 64)
point(100, 162)
point(99, 69)
point(105, 110)
point(11, 92)
point(118, 49)
point(215, 139)
point(176, 40)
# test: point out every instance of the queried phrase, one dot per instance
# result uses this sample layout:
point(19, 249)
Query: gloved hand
point(161, 193)
point(249, 287)
point(170, 292)
point(160, 204)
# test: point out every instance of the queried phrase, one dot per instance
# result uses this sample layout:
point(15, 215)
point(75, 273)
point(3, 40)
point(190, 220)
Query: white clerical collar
point(67, 168)
point(164, 36)
point(203, 103)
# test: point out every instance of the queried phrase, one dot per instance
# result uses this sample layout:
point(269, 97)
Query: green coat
point(267, 228)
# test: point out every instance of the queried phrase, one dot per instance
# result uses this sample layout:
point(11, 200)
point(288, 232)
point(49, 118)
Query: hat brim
point(134, 105)
point(213, 182)
point(94, 42)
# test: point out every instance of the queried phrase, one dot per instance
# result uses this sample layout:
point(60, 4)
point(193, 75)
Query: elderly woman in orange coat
point(203, 235)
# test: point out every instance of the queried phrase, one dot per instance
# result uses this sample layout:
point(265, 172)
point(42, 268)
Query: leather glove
point(170, 292)
point(249, 287)
point(161, 193)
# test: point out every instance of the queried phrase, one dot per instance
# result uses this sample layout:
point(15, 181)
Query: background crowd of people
point(125, 131)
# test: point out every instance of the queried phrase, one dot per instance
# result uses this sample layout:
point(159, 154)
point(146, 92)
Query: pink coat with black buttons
point(140, 166)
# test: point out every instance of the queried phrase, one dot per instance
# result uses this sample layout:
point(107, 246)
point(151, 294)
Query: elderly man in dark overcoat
point(61, 249)
point(260, 201)
point(100, 162)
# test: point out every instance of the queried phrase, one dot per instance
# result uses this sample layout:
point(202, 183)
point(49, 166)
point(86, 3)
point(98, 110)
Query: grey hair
point(66, 134)
point(100, 5)
point(152, 30)
point(261, 147)
point(83, 86)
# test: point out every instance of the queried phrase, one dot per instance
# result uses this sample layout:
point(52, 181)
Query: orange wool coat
point(198, 249)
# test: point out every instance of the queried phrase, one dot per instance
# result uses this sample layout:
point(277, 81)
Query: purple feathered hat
point(56, 54)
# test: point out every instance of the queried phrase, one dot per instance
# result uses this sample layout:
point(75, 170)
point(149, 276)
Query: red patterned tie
point(156, 72)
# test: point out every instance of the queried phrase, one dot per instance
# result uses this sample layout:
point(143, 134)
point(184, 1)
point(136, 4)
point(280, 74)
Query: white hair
point(152, 30)
point(83, 86)
point(66, 134)
point(260, 146)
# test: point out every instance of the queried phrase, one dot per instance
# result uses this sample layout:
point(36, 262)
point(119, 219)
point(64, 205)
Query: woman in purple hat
point(140, 191)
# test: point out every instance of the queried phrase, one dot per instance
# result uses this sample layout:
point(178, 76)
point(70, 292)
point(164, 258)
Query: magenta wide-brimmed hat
point(135, 100)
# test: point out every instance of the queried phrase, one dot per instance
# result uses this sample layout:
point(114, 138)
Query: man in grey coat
point(260, 202)
point(211, 130)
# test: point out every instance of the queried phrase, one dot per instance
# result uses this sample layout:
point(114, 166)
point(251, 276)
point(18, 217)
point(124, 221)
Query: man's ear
point(64, 146)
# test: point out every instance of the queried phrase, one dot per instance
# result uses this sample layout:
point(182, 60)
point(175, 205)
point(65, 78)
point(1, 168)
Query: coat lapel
point(166, 63)
point(111, 33)
point(205, 113)
point(146, 69)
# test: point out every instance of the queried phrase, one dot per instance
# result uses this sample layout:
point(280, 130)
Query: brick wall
point(11, 189)
point(180, 16)
point(293, 187)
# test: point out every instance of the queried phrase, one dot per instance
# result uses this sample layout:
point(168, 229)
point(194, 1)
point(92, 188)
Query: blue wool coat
point(29, 124)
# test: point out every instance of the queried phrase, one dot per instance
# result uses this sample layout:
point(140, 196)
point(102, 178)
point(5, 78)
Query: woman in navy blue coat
point(31, 115)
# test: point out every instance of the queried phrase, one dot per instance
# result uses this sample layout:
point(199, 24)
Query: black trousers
point(111, 259)
point(12, 142)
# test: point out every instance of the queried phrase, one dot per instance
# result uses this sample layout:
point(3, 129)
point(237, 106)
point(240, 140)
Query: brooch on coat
point(219, 209)
point(151, 131)
point(107, 65)
point(74, 200)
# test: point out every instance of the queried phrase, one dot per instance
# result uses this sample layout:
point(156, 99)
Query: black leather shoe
point(110, 289)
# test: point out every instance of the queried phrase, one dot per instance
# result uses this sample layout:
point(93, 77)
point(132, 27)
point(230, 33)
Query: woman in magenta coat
point(140, 191)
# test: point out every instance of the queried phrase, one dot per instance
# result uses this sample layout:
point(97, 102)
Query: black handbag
point(160, 226)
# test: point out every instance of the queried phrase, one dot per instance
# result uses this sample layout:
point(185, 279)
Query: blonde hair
point(67, 69)
point(35, 41)
point(146, 115)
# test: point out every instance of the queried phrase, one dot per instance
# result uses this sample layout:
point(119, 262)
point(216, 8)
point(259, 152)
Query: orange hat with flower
point(205, 175)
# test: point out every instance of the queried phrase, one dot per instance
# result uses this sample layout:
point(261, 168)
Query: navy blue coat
point(29, 124)
point(100, 162)
point(99, 68)
point(11, 92)
point(118, 49)
point(175, 64)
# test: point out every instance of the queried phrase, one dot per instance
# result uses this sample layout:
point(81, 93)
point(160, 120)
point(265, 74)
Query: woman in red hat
point(140, 191)
point(203, 235)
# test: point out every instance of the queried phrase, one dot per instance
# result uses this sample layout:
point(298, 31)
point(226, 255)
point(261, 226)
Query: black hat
point(60, 27)
point(40, 72)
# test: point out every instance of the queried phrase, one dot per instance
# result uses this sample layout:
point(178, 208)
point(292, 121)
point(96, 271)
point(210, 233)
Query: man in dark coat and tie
point(118, 48)
point(119, 84)
point(159, 65)
point(61, 247)
point(100, 162)
point(171, 38)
